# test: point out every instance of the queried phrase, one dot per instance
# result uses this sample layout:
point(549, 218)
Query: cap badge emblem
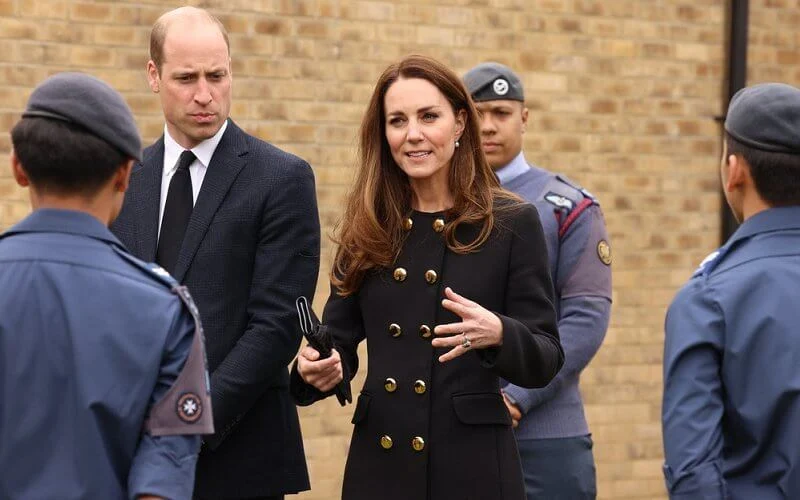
point(500, 86)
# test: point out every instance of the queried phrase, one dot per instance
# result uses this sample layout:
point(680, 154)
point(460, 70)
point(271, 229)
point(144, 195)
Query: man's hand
point(513, 411)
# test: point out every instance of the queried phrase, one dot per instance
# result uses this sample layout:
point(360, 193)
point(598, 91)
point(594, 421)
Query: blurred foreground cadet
point(103, 386)
point(731, 410)
point(553, 437)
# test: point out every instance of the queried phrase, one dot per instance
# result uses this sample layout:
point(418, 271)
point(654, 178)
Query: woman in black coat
point(446, 276)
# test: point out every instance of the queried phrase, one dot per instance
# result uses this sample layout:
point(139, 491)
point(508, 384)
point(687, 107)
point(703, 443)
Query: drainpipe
point(737, 79)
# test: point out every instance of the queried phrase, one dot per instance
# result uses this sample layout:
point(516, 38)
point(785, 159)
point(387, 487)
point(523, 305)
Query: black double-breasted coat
point(426, 430)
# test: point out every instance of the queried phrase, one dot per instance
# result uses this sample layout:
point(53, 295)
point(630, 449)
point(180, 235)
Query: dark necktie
point(177, 211)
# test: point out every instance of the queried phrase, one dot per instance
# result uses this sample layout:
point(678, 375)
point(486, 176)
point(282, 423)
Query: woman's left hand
point(479, 328)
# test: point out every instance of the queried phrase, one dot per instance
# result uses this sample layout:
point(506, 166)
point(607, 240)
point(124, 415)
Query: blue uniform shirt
point(89, 342)
point(731, 409)
point(580, 264)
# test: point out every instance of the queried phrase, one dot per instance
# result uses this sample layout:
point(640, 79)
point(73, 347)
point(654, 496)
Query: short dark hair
point(776, 175)
point(64, 158)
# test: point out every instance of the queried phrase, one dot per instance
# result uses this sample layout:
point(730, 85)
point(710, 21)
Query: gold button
point(400, 274)
point(395, 330)
point(425, 331)
point(390, 385)
point(386, 442)
point(418, 444)
point(430, 276)
point(420, 387)
point(438, 225)
point(408, 224)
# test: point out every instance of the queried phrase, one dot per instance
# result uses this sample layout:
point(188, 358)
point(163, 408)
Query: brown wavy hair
point(370, 234)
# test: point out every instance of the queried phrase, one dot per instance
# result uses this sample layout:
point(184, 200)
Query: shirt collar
point(517, 167)
point(54, 220)
point(203, 151)
point(772, 219)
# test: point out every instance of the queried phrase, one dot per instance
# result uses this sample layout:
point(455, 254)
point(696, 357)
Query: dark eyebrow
point(426, 109)
point(429, 108)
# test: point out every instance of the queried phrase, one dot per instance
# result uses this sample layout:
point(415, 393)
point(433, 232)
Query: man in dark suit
point(235, 219)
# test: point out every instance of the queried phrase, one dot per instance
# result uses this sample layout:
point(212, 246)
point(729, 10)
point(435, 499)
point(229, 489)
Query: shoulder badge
point(189, 407)
point(604, 252)
point(559, 201)
point(570, 201)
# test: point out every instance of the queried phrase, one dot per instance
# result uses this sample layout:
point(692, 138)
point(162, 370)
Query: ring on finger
point(466, 343)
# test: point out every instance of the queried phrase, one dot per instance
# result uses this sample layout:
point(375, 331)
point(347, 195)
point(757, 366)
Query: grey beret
point(491, 81)
point(91, 103)
point(766, 117)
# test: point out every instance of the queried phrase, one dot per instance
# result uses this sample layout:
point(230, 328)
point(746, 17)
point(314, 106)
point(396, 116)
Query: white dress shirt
point(197, 170)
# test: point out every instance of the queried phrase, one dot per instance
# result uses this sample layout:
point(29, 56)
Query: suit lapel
point(148, 192)
point(226, 163)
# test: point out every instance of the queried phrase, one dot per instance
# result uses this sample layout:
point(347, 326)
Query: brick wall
point(623, 95)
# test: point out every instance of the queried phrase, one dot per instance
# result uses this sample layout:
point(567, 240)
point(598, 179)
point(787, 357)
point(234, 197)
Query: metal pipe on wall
point(737, 79)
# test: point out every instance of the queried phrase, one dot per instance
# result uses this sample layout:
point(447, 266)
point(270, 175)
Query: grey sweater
point(580, 258)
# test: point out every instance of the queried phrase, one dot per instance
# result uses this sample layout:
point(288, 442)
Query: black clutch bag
point(319, 338)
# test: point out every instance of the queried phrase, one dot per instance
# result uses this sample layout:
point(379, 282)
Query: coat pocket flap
point(362, 405)
point(481, 409)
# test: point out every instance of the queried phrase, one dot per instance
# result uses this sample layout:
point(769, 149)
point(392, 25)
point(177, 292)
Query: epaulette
point(709, 263)
point(153, 270)
point(569, 201)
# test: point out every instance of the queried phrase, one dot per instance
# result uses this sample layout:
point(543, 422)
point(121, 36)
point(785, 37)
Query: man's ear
point(738, 173)
point(153, 77)
point(18, 172)
point(524, 118)
point(123, 176)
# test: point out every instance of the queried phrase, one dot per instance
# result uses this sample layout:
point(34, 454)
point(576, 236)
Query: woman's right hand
point(323, 374)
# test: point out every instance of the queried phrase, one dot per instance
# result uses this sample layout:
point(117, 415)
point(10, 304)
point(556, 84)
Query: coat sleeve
point(692, 406)
point(531, 353)
point(583, 281)
point(165, 465)
point(286, 266)
point(342, 315)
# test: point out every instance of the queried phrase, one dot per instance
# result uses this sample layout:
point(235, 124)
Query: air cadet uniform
point(731, 409)
point(103, 386)
point(553, 435)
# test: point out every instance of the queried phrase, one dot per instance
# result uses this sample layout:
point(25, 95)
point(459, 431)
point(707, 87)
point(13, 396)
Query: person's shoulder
point(145, 272)
point(263, 149)
point(697, 290)
point(565, 194)
point(279, 165)
point(514, 213)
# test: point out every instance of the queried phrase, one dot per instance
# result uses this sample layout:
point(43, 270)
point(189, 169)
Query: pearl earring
point(457, 143)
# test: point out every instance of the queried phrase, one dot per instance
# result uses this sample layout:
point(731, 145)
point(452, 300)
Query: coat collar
point(772, 219)
point(52, 220)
